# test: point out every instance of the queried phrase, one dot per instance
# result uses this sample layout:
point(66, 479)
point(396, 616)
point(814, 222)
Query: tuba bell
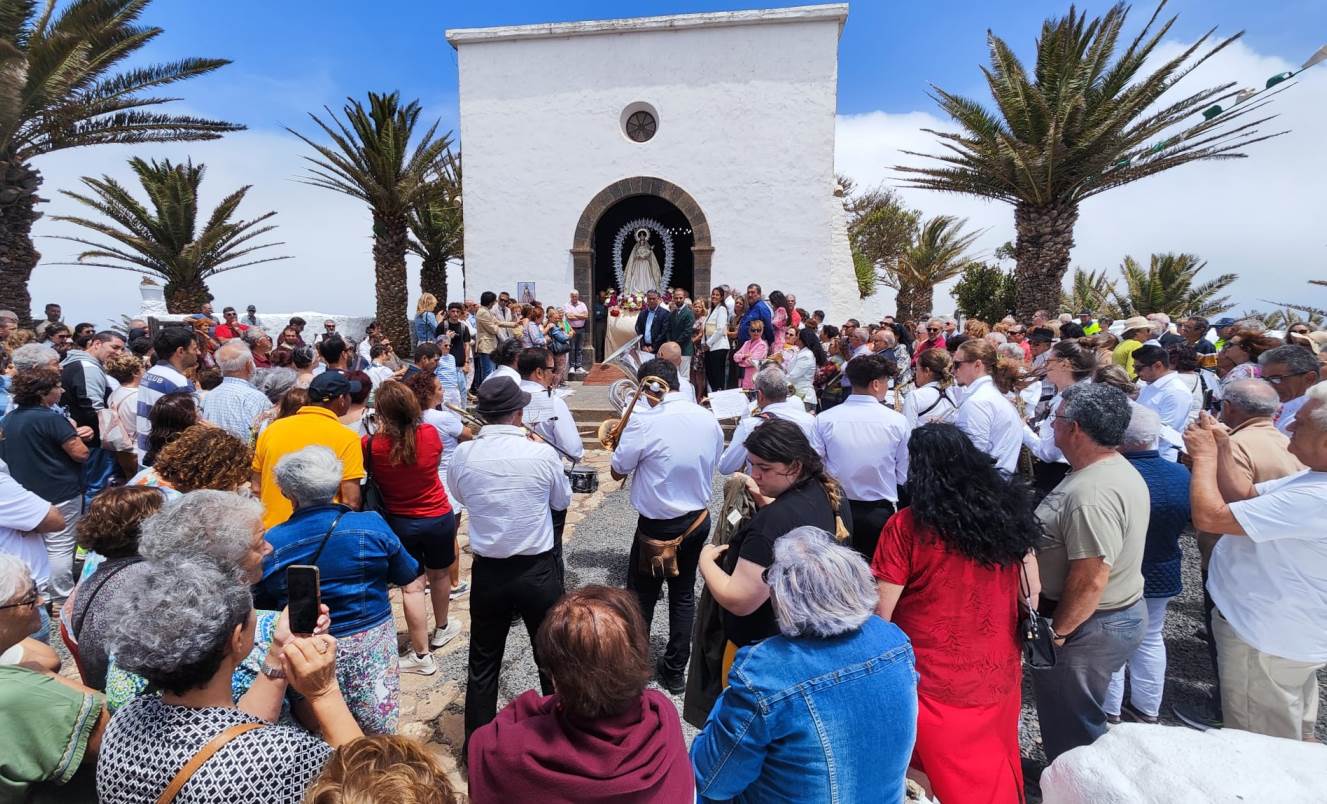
point(610, 430)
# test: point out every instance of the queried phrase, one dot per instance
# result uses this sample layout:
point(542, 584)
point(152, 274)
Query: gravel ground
point(598, 554)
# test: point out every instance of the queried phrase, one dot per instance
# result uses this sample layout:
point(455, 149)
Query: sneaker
point(459, 590)
point(1132, 714)
point(441, 636)
point(423, 665)
point(1196, 717)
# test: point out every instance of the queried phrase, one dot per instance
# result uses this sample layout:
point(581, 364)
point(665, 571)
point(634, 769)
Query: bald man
point(671, 352)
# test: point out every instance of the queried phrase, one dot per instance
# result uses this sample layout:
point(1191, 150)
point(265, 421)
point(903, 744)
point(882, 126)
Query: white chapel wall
point(746, 126)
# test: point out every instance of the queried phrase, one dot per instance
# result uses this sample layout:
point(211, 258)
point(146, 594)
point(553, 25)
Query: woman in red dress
point(948, 570)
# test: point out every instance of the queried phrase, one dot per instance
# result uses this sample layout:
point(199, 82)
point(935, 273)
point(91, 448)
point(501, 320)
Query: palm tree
point(938, 254)
point(1086, 120)
point(880, 227)
point(165, 241)
point(371, 159)
point(436, 227)
point(59, 89)
point(1092, 291)
point(1168, 286)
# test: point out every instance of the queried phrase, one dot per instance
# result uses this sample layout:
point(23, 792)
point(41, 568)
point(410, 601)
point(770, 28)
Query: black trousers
point(716, 368)
point(1208, 607)
point(868, 518)
point(681, 589)
point(559, 524)
point(528, 585)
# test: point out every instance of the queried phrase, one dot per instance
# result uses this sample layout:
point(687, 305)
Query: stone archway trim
point(582, 248)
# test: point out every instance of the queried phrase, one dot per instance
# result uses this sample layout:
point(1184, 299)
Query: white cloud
point(1260, 217)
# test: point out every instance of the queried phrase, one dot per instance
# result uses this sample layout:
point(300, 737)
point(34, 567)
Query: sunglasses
point(932, 329)
point(1279, 379)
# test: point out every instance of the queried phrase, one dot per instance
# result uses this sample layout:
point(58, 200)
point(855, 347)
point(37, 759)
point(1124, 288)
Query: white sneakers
point(441, 636)
point(425, 665)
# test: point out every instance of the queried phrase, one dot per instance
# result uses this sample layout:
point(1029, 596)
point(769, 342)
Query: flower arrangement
point(629, 303)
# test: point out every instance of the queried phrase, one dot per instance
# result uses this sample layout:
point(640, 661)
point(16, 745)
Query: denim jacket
point(813, 720)
point(361, 558)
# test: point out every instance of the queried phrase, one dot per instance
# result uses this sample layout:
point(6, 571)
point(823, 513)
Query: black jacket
point(659, 333)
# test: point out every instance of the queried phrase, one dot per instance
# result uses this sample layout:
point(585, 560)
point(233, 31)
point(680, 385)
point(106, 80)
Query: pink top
point(749, 356)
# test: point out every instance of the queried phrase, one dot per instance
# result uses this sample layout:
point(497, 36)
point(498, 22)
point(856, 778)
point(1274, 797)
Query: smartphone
point(304, 598)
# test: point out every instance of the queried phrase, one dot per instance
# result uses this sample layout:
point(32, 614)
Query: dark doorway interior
point(630, 209)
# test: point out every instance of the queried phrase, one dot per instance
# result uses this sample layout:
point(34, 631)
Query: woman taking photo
point(186, 629)
point(933, 398)
point(790, 488)
point(717, 343)
point(949, 569)
point(403, 458)
point(357, 556)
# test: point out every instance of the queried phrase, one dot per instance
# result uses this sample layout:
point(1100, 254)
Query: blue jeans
point(483, 368)
point(1071, 696)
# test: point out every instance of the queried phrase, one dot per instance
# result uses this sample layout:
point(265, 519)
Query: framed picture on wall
point(525, 292)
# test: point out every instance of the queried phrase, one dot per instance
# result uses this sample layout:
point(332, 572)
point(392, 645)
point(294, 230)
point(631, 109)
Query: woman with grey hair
point(274, 383)
point(226, 530)
point(829, 707)
point(357, 555)
point(190, 654)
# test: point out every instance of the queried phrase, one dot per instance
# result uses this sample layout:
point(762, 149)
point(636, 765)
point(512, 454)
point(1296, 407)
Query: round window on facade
point(640, 122)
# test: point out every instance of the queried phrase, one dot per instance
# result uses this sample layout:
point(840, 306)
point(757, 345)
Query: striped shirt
point(159, 380)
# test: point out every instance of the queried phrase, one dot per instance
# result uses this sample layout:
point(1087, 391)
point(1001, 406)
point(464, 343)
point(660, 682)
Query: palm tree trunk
point(18, 255)
point(390, 234)
point(1045, 237)
point(184, 298)
point(913, 301)
point(433, 279)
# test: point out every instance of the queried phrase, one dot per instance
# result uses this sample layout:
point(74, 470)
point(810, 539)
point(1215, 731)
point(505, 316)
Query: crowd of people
point(901, 501)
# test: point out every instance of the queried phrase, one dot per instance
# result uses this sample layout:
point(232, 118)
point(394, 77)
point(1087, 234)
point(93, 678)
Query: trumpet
point(610, 430)
point(467, 418)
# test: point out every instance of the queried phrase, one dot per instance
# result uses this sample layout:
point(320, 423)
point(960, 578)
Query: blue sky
point(297, 54)
point(1257, 217)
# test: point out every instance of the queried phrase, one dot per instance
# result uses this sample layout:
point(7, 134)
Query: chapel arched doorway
point(677, 226)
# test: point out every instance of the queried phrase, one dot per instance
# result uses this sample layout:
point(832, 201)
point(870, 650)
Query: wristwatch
point(273, 673)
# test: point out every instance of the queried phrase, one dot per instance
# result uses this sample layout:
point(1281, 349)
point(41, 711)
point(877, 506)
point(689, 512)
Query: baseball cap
point(329, 385)
point(1223, 322)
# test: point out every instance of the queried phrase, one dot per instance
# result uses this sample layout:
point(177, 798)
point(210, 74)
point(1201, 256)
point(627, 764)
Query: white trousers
point(1146, 667)
point(60, 547)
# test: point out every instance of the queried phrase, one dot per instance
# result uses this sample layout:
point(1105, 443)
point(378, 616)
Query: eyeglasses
point(1278, 379)
point(932, 329)
point(550, 368)
point(31, 600)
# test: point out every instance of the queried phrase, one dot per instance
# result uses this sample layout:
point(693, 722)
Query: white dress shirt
point(1041, 441)
point(550, 418)
point(734, 457)
point(1171, 398)
point(991, 422)
point(509, 485)
point(503, 371)
point(865, 448)
point(928, 398)
point(673, 452)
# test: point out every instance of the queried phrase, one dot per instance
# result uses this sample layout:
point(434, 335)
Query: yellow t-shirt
point(310, 426)
point(1123, 356)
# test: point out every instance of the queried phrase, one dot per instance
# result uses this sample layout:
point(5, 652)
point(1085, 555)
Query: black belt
point(872, 503)
point(518, 558)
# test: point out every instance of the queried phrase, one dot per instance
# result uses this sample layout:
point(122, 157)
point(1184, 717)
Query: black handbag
point(1035, 635)
point(370, 495)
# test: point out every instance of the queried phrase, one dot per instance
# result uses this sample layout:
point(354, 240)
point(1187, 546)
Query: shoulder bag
point(1034, 630)
point(204, 754)
point(371, 495)
point(658, 557)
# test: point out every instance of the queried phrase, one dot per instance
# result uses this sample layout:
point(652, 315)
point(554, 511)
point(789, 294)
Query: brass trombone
point(610, 430)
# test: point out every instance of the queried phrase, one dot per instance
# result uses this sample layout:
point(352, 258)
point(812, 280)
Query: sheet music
point(730, 404)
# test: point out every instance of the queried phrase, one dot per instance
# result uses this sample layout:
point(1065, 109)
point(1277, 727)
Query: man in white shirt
point(549, 417)
point(508, 484)
point(771, 385)
point(577, 314)
point(865, 448)
point(671, 352)
point(673, 452)
point(985, 415)
point(23, 518)
point(364, 350)
point(1268, 574)
point(1165, 393)
point(1292, 370)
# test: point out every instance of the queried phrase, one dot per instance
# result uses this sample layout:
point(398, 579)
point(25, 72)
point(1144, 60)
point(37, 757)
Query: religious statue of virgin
point(641, 272)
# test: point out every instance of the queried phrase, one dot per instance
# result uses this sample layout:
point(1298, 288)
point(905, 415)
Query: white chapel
point(710, 137)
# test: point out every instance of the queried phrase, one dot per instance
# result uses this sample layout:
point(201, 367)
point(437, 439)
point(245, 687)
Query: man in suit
point(681, 322)
point(652, 323)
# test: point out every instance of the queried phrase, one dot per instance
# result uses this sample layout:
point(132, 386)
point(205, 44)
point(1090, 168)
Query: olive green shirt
point(1100, 511)
point(44, 730)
